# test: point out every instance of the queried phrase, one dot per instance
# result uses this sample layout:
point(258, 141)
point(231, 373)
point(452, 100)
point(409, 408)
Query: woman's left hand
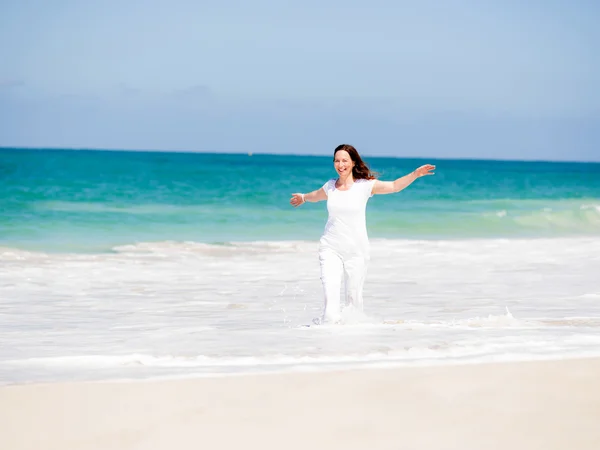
point(427, 169)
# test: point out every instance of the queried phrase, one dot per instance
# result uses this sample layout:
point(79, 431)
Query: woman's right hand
point(296, 200)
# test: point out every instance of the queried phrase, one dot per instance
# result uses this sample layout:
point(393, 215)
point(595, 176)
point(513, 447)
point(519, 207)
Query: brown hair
point(361, 170)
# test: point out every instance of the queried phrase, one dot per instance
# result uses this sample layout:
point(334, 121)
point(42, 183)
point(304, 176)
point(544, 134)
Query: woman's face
point(343, 163)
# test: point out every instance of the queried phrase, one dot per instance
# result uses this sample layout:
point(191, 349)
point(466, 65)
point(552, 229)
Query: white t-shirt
point(346, 228)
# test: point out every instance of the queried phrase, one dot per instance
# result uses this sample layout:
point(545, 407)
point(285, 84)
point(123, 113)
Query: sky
point(449, 79)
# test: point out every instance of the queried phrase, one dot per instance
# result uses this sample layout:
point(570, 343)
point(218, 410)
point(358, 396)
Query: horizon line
point(364, 155)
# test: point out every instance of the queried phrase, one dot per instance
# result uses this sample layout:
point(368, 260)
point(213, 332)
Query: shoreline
point(551, 404)
point(308, 369)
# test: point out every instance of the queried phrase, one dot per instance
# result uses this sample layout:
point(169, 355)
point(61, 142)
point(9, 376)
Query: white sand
point(536, 405)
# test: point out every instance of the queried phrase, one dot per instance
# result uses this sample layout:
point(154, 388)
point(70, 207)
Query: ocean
point(137, 265)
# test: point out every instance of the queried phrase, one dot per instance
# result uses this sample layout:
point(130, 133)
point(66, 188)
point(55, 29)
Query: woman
point(344, 245)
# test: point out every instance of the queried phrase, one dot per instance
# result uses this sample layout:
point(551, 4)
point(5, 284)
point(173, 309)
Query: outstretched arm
point(391, 187)
point(314, 196)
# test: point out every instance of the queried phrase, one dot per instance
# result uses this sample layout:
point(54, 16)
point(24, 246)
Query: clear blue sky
point(444, 78)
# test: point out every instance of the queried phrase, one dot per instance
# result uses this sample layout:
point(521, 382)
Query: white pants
point(334, 267)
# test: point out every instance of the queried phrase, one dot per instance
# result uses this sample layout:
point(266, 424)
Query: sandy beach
point(526, 405)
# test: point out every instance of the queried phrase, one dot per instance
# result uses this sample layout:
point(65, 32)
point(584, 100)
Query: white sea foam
point(226, 249)
point(185, 308)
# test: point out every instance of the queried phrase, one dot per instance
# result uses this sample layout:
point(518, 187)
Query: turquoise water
point(113, 265)
point(92, 201)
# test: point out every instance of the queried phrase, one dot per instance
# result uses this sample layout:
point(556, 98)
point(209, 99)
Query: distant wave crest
point(99, 208)
point(574, 218)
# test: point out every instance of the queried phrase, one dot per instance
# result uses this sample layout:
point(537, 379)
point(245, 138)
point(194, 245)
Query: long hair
point(361, 170)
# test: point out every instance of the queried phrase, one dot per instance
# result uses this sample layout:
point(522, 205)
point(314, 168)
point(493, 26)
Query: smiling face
point(343, 163)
